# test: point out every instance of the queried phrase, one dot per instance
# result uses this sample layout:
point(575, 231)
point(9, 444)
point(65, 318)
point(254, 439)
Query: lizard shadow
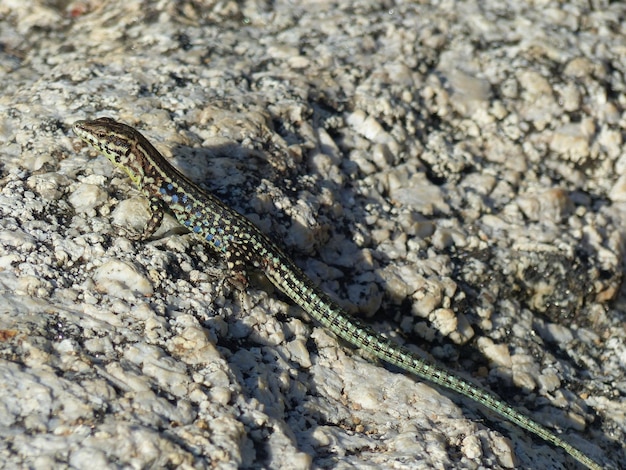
point(243, 178)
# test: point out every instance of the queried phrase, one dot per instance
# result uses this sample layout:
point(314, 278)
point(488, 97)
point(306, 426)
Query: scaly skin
point(243, 245)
